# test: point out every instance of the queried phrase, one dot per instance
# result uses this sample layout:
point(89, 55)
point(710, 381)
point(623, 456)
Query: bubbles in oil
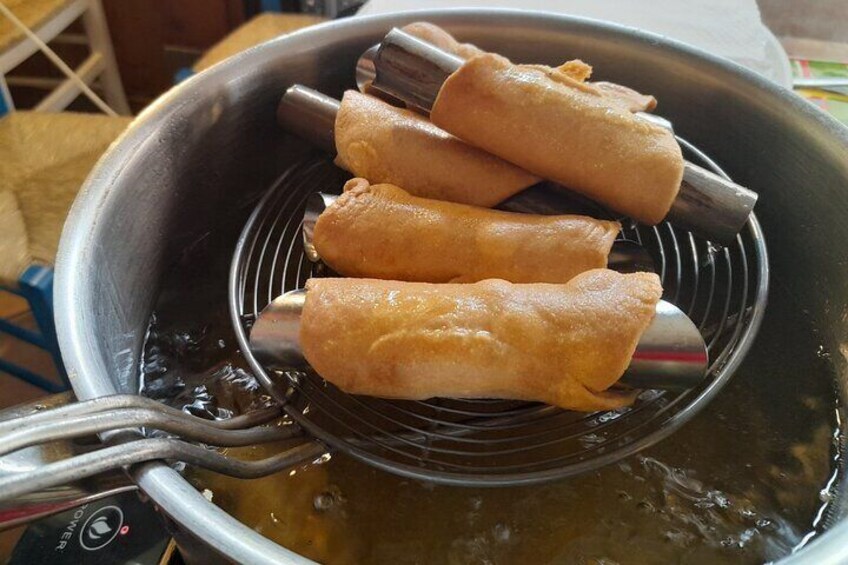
point(748, 480)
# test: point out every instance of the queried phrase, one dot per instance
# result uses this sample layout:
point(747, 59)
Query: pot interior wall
point(197, 160)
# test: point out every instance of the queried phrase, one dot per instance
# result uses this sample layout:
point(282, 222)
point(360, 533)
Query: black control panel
point(115, 530)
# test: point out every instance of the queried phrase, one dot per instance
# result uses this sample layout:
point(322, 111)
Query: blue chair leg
point(22, 334)
point(30, 377)
point(271, 5)
point(182, 74)
point(36, 285)
point(5, 97)
point(34, 338)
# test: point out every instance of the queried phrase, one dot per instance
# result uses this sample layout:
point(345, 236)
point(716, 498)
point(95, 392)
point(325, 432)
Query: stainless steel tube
point(411, 69)
point(711, 206)
point(309, 114)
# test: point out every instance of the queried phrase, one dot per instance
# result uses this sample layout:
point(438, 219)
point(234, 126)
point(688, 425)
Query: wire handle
point(30, 479)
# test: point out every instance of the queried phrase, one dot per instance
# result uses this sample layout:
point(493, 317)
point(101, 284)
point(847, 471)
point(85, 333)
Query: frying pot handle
point(45, 470)
point(40, 504)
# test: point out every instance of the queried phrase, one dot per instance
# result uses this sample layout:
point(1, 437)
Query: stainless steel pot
point(189, 160)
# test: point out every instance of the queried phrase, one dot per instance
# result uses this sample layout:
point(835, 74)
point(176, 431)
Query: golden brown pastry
point(381, 231)
point(387, 144)
point(576, 69)
point(563, 344)
point(564, 130)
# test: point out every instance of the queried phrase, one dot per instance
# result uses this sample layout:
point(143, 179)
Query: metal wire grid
point(493, 442)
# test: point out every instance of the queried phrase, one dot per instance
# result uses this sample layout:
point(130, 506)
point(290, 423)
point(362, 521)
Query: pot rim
point(90, 377)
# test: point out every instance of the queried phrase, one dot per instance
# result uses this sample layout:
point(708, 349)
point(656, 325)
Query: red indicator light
point(124, 530)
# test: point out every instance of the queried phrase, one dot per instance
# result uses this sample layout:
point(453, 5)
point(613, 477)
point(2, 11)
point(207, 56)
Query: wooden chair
point(258, 29)
point(48, 19)
point(44, 159)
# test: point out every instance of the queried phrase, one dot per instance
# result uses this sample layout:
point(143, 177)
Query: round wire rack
point(499, 442)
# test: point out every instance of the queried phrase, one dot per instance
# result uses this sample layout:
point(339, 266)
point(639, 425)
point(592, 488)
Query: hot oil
point(745, 481)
